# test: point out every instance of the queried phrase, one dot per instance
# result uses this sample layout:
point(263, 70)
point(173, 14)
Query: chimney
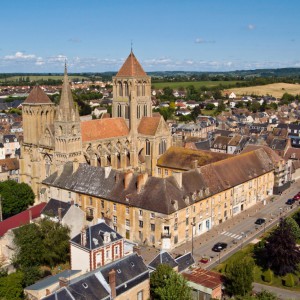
point(30, 216)
point(107, 172)
point(63, 282)
point(195, 164)
point(59, 212)
point(112, 282)
point(75, 165)
point(141, 181)
point(83, 236)
point(137, 250)
point(178, 178)
point(127, 178)
point(48, 292)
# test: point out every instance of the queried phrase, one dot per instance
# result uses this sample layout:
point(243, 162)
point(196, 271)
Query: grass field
point(274, 89)
point(196, 84)
point(40, 77)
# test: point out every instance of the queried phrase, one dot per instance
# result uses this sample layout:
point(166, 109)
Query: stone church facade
point(131, 139)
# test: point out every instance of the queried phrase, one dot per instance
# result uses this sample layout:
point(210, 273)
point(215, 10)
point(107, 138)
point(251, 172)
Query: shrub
point(268, 276)
point(289, 280)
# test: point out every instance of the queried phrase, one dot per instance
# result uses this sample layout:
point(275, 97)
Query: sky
point(166, 35)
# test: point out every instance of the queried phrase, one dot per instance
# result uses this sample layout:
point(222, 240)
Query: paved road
point(281, 293)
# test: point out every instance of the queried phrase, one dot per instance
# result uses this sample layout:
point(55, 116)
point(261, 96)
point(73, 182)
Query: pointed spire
point(37, 96)
point(66, 106)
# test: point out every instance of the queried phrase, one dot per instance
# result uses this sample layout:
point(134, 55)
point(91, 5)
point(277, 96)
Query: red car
point(297, 197)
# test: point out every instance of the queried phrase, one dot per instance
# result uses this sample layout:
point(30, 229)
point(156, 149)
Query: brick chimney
point(75, 165)
point(178, 178)
point(59, 213)
point(195, 164)
point(112, 282)
point(137, 250)
point(127, 178)
point(83, 236)
point(141, 181)
point(63, 282)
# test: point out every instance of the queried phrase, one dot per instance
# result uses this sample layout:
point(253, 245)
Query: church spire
point(66, 109)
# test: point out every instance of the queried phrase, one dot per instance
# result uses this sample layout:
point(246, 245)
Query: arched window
point(162, 147)
point(126, 112)
point(148, 149)
point(119, 110)
point(138, 111)
point(126, 89)
point(120, 87)
point(138, 92)
point(145, 110)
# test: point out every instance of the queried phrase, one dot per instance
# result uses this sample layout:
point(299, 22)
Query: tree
point(44, 243)
point(16, 197)
point(11, 286)
point(166, 284)
point(281, 253)
point(210, 106)
point(294, 227)
point(239, 277)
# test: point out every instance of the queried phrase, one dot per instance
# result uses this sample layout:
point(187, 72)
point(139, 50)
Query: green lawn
point(258, 272)
point(196, 84)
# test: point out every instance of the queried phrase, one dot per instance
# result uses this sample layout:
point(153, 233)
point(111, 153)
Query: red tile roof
point(21, 218)
point(103, 128)
point(205, 278)
point(149, 125)
point(131, 67)
point(37, 96)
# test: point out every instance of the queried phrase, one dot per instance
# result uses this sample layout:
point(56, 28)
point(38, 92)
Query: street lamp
point(193, 224)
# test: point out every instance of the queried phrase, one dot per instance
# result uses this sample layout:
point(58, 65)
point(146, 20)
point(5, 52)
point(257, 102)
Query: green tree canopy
point(281, 253)
point(11, 286)
point(43, 243)
point(16, 197)
point(240, 277)
point(294, 227)
point(166, 284)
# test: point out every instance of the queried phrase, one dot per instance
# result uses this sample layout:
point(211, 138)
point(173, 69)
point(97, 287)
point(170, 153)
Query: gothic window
point(145, 110)
point(119, 110)
point(47, 165)
point(126, 112)
point(59, 132)
point(148, 152)
point(138, 111)
point(138, 92)
point(120, 88)
point(126, 89)
point(162, 147)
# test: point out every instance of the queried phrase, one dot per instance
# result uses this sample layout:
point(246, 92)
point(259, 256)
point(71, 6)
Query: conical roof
point(37, 96)
point(131, 67)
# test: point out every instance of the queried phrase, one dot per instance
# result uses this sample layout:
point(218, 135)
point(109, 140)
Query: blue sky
point(189, 35)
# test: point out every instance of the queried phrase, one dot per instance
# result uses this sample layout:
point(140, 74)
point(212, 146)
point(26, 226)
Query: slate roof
point(37, 96)
point(182, 158)
point(44, 283)
point(203, 145)
point(131, 67)
point(149, 125)
point(21, 218)
point(163, 258)
point(271, 153)
point(221, 142)
point(51, 208)
point(103, 128)
point(292, 153)
point(185, 261)
point(95, 236)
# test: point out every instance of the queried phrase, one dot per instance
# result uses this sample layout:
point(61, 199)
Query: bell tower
point(131, 80)
point(68, 142)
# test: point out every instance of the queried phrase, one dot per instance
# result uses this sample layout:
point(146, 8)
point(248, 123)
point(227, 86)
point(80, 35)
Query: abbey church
point(131, 139)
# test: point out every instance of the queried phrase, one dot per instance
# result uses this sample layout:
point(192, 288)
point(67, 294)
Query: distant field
point(274, 89)
point(196, 84)
point(41, 77)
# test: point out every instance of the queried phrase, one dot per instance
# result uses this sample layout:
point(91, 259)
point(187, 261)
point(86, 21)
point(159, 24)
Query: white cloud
point(20, 55)
point(251, 26)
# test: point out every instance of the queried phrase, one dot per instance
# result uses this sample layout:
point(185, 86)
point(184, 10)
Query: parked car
point(205, 259)
point(260, 221)
point(219, 247)
point(297, 197)
point(290, 202)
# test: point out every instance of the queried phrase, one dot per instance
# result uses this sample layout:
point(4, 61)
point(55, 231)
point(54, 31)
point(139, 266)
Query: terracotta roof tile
point(9, 164)
point(104, 128)
point(131, 67)
point(21, 218)
point(149, 125)
point(37, 96)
